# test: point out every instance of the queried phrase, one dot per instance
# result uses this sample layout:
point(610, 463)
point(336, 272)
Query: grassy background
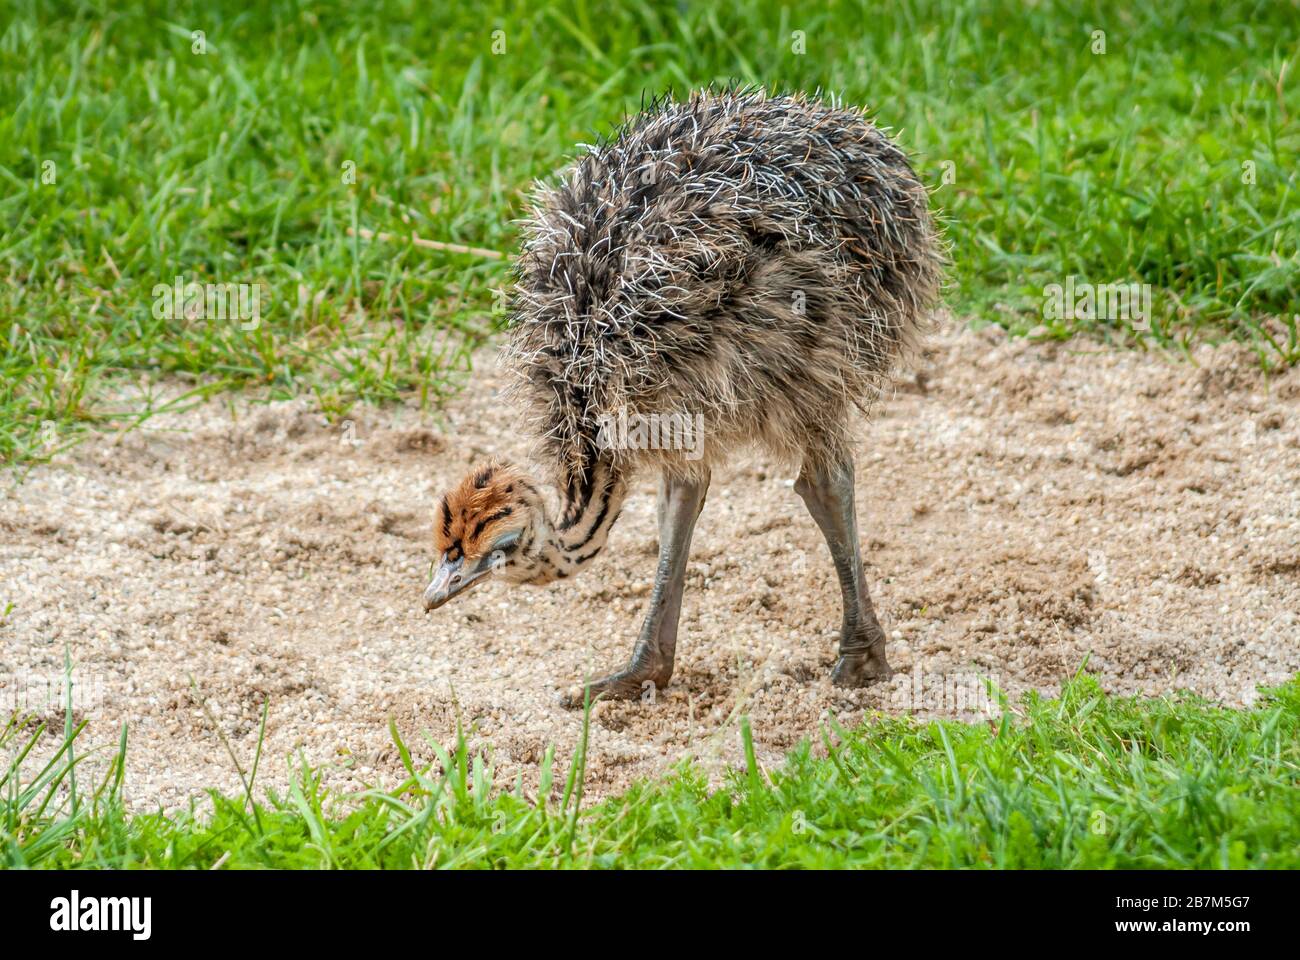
point(1085, 781)
point(227, 166)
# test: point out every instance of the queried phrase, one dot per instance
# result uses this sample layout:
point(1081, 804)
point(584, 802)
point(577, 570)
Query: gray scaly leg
point(828, 494)
point(680, 503)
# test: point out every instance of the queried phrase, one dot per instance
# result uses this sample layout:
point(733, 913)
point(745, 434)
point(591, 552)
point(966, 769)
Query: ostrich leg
point(828, 494)
point(680, 503)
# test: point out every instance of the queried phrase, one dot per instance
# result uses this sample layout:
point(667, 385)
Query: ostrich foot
point(860, 668)
point(634, 683)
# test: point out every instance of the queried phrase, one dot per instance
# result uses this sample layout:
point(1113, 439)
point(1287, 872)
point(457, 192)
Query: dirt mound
point(1023, 507)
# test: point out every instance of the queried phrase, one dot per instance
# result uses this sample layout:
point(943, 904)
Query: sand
point(1024, 506)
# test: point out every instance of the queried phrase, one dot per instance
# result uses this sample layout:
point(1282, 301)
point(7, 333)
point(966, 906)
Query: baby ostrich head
point(484, 527)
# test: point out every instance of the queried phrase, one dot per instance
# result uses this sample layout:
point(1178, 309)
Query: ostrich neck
point(590, 506)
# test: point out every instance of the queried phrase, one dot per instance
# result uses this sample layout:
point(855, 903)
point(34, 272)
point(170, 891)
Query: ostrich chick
point(751, 264)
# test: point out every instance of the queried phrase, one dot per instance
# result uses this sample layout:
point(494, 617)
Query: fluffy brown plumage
point(761, 260)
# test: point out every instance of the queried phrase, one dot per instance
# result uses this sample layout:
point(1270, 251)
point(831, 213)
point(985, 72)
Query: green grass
point(228, 166)
point(1086, 781)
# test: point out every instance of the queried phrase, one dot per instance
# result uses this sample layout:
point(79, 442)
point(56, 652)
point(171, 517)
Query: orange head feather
point(490, 501)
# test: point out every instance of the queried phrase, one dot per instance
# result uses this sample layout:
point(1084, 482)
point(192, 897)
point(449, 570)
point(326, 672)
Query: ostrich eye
point(505, 544)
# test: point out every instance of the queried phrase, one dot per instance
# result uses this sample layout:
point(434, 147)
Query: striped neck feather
point(592, 502)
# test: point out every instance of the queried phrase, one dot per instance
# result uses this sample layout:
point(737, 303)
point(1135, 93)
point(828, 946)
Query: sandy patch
point(1023, 506)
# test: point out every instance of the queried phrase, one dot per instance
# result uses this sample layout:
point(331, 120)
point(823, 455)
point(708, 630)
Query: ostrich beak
point(450, 579)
